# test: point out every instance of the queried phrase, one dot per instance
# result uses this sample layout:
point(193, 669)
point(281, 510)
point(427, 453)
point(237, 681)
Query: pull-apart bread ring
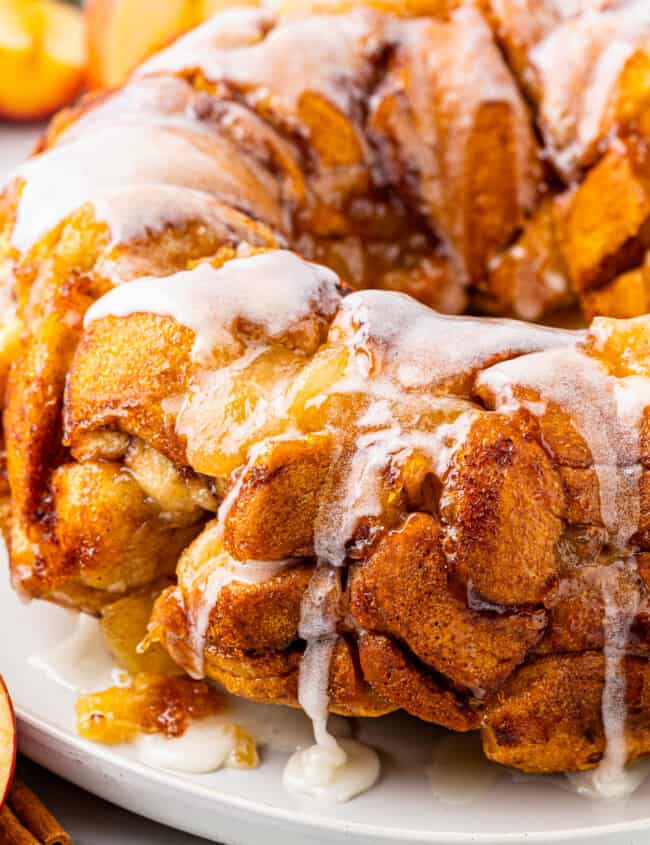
point(340, 489)
point(449, 507)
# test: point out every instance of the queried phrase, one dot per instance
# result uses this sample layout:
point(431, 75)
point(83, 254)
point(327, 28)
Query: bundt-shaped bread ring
point(448, 508)
point(364, 505)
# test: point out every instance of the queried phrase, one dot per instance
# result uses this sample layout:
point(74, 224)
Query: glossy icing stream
point(396, 357)
point(608, 413)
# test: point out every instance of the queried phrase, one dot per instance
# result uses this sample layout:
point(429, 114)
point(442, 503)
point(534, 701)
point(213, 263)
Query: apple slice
point(207, 8)
point(7, 742)
point(42, 57)
point(121, 33)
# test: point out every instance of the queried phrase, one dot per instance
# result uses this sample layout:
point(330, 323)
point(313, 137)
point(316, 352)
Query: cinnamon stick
point(11, 830)
point(35, 816)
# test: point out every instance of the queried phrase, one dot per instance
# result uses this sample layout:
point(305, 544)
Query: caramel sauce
point(150, 704)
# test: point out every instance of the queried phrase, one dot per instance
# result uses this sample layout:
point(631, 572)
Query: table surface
point(91, 821)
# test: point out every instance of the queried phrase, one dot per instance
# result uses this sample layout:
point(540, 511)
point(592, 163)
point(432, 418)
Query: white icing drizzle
point(318, 620)
point(331, 770)
point(210, 581)
point(274, 290)
point(424, 348)
point(620, 609)
point(608, 413)
point(621, 600)
point(356, 493)
point(578, 65)
point(81, 662)
point(163, 101)
point(135, 211)
point(63, 179)
point(245, 48)
point(201, 581)
point(199, 587)
point(207, 582)
point(158, 205)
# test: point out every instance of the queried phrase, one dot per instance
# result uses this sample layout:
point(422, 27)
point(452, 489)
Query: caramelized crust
point(547, 717)
point(446, 508)
point(404, 589)
point(503, 493)
point(411, 688)
point(152, 704)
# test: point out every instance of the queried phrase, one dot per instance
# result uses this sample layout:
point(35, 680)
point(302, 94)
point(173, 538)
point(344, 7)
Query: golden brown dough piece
point(205, 158)
point(564, 691)
point(466, 496)
point(585, 67)
point(403, 154)
point(343, 490)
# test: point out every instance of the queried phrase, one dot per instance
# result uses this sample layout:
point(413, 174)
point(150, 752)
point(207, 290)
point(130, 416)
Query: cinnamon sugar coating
point(201, 400)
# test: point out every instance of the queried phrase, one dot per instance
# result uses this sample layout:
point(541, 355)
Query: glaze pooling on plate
point(398, 401)
point(333, 770)
point(524, 813)
point(397, 356)
point(207, 745)
point(333, 774)
point(81, 662)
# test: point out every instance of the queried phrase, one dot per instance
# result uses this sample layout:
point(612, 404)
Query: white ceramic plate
point(242, 808)
point(239, 807)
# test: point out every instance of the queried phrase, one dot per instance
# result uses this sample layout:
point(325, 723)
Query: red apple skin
point(7, 776)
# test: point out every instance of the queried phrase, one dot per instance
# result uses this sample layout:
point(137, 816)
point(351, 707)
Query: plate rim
point(36, 732)
point(352, 830)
